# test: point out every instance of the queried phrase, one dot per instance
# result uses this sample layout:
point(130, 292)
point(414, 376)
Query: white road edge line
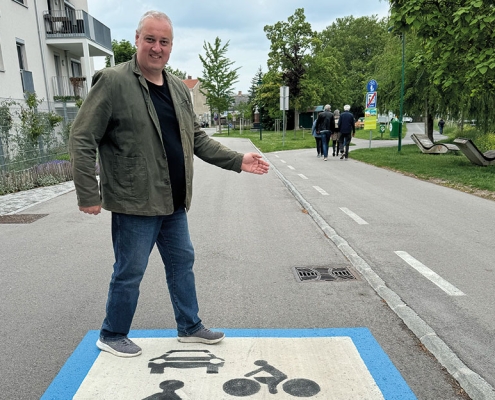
point(447, 287)
point(354, 216)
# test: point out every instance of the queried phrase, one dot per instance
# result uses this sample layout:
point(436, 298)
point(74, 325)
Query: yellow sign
point(370, 118)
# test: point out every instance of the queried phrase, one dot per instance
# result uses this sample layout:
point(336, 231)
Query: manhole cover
point(323, 274)
point(20, 218)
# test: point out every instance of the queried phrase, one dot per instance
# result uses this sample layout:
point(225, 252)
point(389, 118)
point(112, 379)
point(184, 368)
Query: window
point(21, 54)
point(76, 68)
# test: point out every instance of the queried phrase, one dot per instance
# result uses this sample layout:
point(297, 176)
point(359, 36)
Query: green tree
point(177, 72)
point(457, 43)
point(291, 49)
point(218, 77)
point(355, 42)
point(122, 52)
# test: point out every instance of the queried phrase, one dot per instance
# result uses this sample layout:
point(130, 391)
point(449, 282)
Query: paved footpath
point(17, 202)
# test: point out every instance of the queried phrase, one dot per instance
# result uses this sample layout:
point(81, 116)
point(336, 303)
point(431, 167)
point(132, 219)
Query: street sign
point(371, 100)
point(370, 118)
point(371, 86)
point(284, 98)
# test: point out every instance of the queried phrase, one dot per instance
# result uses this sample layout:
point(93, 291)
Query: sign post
point(284, 106)
point(370, 113)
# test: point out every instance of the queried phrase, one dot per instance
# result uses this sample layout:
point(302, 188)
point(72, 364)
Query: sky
point(239, 22)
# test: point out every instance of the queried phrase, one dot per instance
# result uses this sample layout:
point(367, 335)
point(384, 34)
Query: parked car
point(359, 123)
point(407, 119)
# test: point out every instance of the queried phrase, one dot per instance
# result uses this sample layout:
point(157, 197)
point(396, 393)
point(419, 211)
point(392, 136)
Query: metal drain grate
point(323, 274)
point(20, 218)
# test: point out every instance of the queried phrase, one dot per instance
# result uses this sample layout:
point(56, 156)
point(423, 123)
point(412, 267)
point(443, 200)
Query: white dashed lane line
point(447, 287)
point(354, 216)
point(290, 167)
point(302, 176)
point(319, 189)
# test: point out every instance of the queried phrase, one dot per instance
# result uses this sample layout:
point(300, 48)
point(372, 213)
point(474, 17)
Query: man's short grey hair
point(327, 107)
point(156, 15)
point(347, 107)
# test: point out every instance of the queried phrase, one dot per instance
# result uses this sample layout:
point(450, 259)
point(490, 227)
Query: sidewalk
point(16, 202)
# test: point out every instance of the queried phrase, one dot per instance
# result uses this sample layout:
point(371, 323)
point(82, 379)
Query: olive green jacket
point(119, 120)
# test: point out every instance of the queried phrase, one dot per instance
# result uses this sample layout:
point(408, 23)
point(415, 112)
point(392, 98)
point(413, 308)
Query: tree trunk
point(296, 120)
point(428, 121)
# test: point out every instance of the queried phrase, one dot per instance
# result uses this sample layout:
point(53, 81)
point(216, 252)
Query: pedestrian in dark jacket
point(335, 134)
point(441, 124)
point(317, 136)
point(325, 127)
point(347, 128)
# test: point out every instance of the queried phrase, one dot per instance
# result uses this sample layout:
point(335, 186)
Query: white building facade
point(47, 47)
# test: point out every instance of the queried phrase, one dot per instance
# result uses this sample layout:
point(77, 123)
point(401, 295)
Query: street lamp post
point(261, 119)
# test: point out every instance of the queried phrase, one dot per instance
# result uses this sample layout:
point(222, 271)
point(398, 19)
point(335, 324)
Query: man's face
point(154, 45)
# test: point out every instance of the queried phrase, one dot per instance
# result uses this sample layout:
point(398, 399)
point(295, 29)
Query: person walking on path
point(347, 128)
point(325, 125)
point(441, 124)
point(335, 134)
point(317, 136)
point(141, 122)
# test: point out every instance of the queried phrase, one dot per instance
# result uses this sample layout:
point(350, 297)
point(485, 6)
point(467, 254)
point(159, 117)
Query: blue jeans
point(133, 238)
point(325, 139)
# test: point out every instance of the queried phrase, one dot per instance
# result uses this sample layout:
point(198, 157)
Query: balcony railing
point(69, 88)
point(76, 23)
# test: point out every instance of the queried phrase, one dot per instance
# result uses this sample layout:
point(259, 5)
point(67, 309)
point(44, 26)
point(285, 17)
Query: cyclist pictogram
point(298, 387)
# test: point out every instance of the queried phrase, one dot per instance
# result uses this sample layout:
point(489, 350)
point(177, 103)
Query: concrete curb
point(473, 384)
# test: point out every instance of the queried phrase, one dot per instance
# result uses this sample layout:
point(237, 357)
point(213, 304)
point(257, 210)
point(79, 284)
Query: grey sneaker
point(204, 335)
point(122, 347)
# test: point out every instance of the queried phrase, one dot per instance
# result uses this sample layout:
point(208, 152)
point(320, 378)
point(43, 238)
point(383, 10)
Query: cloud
point(240, 22)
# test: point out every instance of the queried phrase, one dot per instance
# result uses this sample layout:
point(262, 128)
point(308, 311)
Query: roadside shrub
point(46, 174)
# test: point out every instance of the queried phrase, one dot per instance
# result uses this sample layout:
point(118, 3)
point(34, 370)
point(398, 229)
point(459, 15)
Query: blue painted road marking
point(377, 364)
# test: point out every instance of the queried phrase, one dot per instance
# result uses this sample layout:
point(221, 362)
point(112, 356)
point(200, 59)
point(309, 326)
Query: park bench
point(474, 155)
point(428, 147)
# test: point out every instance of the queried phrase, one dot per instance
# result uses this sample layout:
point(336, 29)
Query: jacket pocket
point(130, 178)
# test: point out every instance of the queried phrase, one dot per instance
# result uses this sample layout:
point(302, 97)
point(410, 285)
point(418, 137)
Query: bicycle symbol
point(298, 387)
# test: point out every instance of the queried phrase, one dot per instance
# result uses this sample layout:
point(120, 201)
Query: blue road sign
point(371, 100)
point(371, 86)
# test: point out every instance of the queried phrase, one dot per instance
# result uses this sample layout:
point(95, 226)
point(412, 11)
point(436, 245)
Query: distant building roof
point(190, 83)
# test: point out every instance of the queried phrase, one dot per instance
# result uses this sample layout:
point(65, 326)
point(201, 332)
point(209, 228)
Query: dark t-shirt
point(162, 100)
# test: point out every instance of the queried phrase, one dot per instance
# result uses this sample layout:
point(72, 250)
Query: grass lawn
point(452, 170)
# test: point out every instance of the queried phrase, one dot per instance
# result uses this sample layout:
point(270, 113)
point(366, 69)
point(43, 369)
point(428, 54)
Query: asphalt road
point(249, 233)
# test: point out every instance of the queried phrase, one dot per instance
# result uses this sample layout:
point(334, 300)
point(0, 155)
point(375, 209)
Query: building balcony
point(71, 24)
point(69, 88)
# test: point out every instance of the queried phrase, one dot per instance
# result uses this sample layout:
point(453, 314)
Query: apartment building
point(47, 47)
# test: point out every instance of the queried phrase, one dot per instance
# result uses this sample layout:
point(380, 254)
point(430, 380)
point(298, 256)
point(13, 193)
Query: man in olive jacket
point(141, 121)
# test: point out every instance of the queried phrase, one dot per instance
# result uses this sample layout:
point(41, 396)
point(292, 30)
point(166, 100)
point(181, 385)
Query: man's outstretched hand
point(254, 163)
